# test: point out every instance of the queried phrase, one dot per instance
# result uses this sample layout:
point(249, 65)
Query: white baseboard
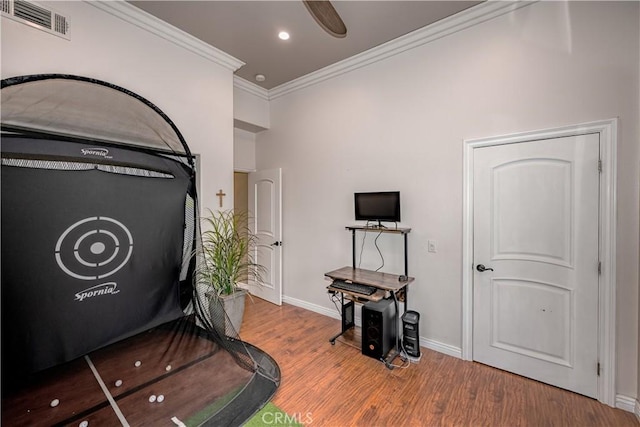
point(447, 349)
point(628, 404)
point(311, 307)
point(637, 410)
point(333, 313)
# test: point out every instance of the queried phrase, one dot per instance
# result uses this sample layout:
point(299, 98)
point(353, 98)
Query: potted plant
point(227, 258)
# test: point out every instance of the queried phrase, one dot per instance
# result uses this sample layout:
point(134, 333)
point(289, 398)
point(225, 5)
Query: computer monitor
point(377, 206)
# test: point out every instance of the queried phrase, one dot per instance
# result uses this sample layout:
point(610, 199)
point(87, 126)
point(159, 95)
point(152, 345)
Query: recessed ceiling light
point(283, 35)
point(260, 77)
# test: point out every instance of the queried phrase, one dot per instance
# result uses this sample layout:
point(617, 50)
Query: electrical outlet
point(431, 246)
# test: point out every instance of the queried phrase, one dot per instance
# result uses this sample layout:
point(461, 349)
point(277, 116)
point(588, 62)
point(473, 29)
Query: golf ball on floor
point(160, 398)
point(138, 363)
point(118, 383)
point(168, 368)
point(54, 403)
point(152, 398)
point(85, 423)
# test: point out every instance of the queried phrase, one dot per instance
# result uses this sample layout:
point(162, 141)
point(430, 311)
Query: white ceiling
point(248, 30)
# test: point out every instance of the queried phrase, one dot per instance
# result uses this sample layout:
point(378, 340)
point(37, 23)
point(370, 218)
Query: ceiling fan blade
point(327, 17)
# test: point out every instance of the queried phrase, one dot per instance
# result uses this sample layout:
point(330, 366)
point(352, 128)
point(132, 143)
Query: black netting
point(102, 317)
point(77, 166)
point(189, 235)
point(87, 108)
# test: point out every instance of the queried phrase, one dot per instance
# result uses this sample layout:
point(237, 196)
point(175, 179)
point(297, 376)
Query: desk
point(380, 280)
point(387, 285)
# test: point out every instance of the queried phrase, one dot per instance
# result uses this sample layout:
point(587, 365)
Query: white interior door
point(265, 207)
point(535, 222)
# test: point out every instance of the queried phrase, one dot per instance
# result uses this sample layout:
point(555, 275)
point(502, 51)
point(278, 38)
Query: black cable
point(333, 298)
point(375, 243)
point(395, 300)
point(364, 236)
point(401, 345)
point(379, 251)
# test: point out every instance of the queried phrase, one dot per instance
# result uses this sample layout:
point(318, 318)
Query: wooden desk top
point(377, 279)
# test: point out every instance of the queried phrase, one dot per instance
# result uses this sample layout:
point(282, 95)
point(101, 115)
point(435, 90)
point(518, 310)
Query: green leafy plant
point(227, 252)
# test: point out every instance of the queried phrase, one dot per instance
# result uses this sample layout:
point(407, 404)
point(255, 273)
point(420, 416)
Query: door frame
point(607, 129)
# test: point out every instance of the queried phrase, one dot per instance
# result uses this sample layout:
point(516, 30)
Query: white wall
point(249, 108)
point(399, 125)
point(194, 92)
point(251, 115)
point(244, 151)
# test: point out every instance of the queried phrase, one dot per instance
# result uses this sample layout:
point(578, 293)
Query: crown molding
point(249, 87)
point(150, 23)
point(483, 12)
point(453, 24)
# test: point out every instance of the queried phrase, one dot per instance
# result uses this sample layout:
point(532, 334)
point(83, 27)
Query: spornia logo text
point(95, 151)
point(108, 288)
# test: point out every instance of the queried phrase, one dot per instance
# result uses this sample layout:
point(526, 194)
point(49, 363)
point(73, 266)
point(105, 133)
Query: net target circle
point(94, 248)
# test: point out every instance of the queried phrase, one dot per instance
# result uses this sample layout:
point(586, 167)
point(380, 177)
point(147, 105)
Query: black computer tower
point(411, 333)
point(379, 328)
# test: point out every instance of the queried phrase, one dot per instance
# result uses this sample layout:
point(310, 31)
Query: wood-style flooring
point(327, 385)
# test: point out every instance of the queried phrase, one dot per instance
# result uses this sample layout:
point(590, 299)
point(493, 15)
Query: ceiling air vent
point(5, 6)
point(35, 15)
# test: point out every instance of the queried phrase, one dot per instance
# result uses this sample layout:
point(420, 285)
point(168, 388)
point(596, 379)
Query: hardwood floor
point(325, 385)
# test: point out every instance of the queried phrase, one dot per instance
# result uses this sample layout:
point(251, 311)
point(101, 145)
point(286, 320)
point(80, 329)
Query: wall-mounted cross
point(221, 195)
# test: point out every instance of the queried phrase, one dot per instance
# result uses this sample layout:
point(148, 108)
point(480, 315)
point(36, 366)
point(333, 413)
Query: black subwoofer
point(411, 333)
point(378, 328)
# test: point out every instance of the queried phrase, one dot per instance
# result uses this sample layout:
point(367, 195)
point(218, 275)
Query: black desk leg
point(348, 312)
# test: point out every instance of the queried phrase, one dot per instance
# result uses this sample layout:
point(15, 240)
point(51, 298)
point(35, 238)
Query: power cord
point(379, 251)
point(375, 243)
point(364, 236)
point(405, 360)
point(334, 299)
point(406, 364)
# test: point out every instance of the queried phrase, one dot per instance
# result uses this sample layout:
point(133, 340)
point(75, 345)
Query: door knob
point(481, 268)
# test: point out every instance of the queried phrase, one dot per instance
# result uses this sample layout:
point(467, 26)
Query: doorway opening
point(241, 192)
